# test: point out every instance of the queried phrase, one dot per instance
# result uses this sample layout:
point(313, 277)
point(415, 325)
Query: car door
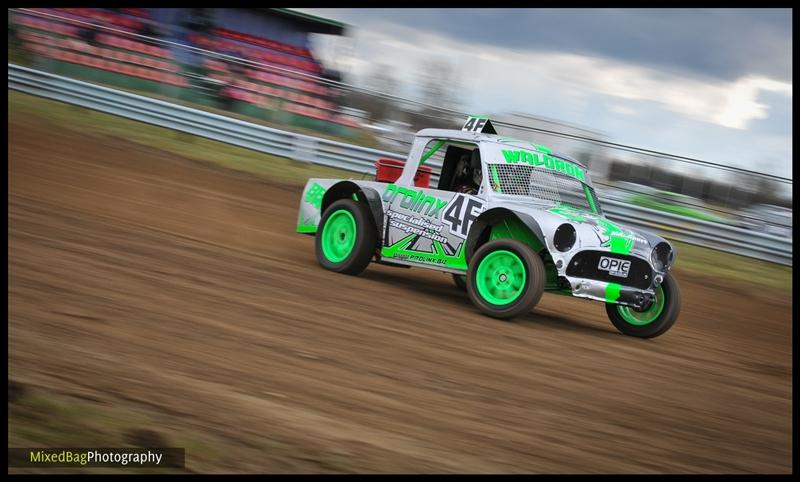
point(426, 226)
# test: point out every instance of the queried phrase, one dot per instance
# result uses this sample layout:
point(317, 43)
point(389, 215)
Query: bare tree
point(439, 83)
point(380, 79)
point(768, 191)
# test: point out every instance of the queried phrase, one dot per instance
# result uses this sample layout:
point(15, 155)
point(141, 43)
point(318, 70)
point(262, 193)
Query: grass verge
point(752, 273)
point(37, 418)
point(24, 109)
point(42, 418)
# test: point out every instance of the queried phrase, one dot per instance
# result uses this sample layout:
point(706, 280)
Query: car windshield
point(543, 184)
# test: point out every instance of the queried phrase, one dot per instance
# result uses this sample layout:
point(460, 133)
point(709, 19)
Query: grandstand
point(141, 49)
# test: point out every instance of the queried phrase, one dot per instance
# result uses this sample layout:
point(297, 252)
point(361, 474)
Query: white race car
point(509, 219)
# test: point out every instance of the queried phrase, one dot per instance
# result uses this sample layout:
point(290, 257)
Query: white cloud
point(741, 104)
point(621, 109)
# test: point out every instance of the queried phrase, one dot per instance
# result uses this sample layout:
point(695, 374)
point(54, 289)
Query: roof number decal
point(479, 124)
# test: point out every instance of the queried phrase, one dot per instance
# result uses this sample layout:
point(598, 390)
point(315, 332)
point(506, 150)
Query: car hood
point(593, 230)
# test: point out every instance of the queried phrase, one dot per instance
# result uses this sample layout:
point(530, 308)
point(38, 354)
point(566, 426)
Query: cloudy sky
point(710, 84)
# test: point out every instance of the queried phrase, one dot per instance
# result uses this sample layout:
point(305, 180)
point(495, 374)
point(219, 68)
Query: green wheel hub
point(500, 277)
point(339, 236)
point(641, 318)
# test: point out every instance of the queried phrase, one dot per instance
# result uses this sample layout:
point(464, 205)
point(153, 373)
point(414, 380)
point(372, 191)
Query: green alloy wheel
point(339, 236)
point(347, 238)
point(501, 277)
point(653, 321)
point(645, 317)
point(505, 278)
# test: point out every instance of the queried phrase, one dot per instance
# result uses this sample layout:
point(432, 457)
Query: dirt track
point(139, 278)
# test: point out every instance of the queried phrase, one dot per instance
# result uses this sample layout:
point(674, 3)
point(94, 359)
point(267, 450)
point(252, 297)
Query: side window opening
point(430, 162)
point(461, 169)
point(428, 169)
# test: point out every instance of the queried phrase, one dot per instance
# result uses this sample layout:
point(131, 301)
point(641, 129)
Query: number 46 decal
point(460, 212)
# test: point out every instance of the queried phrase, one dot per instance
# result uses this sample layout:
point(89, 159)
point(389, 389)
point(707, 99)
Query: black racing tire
point(351, 240)
point(632, 322)
point(500, 290)
point(461, 281)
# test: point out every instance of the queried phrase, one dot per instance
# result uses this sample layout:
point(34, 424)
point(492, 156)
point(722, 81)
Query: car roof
point(460, 135)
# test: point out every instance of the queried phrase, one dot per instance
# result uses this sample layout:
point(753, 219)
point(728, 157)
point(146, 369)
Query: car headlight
point(565, 237)
point(662, 256)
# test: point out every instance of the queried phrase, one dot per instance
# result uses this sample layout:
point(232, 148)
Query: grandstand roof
point(312, 23)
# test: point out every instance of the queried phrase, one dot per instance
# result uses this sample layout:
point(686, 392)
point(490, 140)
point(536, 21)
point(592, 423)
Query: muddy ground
point(137, 278)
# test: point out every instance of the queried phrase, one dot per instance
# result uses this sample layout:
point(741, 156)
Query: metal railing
point(358, 159)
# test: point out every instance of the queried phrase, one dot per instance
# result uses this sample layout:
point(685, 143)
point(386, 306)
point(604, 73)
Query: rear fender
point(346, 190)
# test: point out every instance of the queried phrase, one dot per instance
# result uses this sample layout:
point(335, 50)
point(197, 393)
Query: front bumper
point(586, 280)
point(612, 293)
